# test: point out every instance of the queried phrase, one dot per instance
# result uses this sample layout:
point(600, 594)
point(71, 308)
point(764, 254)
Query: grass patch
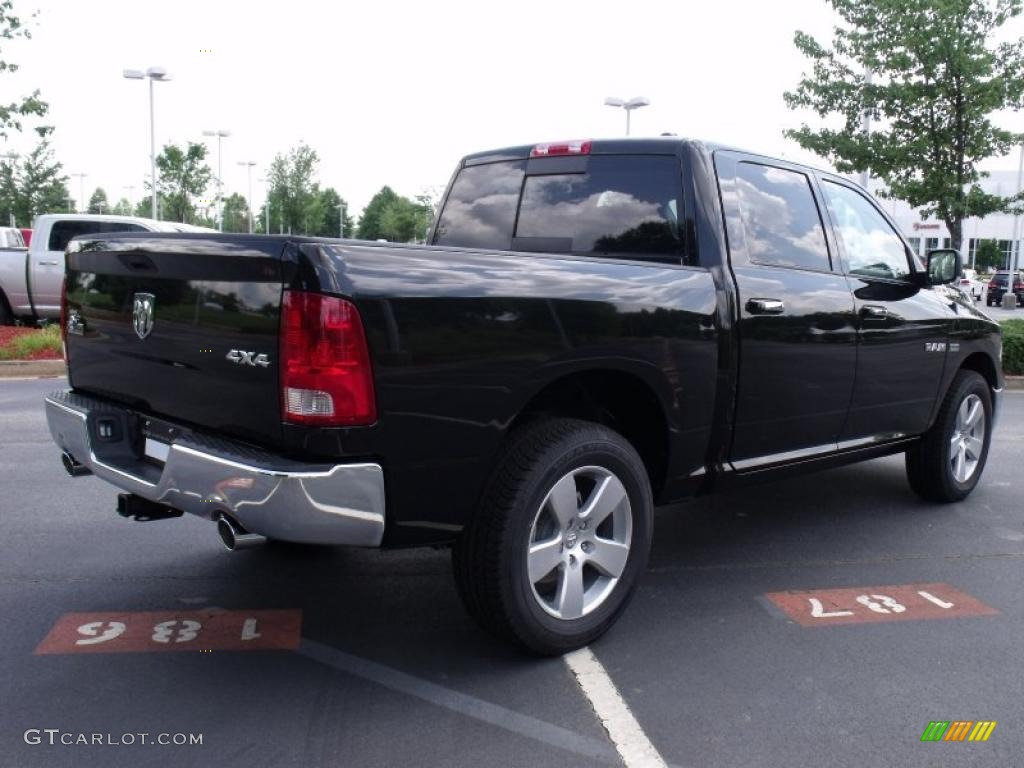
point(42, 344)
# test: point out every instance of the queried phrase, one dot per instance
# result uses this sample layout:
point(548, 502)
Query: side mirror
point(944, 266)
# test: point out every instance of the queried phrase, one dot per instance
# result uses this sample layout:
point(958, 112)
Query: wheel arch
point(981, 363)
point(620, 400)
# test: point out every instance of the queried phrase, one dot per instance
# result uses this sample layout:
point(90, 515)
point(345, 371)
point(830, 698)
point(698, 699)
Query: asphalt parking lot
point(390, 671)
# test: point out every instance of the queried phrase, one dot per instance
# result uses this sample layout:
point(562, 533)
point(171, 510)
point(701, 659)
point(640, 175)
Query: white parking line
point(629, 738)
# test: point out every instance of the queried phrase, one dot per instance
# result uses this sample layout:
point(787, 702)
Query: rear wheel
point(555, 552)
point(6, 316)
point(948, 461)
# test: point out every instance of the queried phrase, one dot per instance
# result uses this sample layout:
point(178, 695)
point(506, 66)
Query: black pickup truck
point(596, 328)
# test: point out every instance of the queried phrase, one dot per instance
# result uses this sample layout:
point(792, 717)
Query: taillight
point(326, 379)
point(561, 148)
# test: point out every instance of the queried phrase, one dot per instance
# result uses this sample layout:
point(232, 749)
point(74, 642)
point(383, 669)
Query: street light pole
point(1016, 219)
point(248, 169)
point(341, 221)
point(81, 188)
point(153, 74)
point(629, 105)
point(11, 157)
point(266, 206)
point(220, 133)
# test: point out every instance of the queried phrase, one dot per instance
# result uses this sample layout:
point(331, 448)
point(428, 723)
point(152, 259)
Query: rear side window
point(480, 211)
point(623, 205)
point(781, 220)
point(63, 231)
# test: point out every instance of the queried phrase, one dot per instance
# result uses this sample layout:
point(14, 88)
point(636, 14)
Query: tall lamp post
point(220, 133)
point(81, 188)
point(10, 157)
point(341, 221)
point(248, 169)
point(629, 105)
point(153, 74)
point(266, 206)
point(1015, 261)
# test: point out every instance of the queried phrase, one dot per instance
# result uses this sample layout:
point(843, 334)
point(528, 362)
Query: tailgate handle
point(765, 307)
point(137, 261)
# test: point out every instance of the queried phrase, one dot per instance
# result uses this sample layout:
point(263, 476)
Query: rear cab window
point(622, 206)
point(62, 231)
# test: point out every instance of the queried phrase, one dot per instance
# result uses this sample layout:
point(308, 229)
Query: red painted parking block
point(159, 631)
point(861, 605)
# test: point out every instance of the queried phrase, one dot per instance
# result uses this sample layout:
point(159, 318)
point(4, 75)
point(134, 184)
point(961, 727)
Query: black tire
point(930, 462)
point(6, 316)
point(490, 557)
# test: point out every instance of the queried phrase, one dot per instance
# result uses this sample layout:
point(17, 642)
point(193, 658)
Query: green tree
point(294, 194)
point(183, 175)
point(370, 227)
point(123, 207)
point(14, 112)
point(33, 185)
point(331, 204)
point(393, 217)
point(98, 203)
point(937, 79)
point(236, 213)
point(988, 256)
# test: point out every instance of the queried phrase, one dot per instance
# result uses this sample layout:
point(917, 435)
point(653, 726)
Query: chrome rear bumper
point(270, 495)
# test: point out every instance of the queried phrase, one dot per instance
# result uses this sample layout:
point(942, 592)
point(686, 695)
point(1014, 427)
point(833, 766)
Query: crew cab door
point(902, 328)
point(796, 329)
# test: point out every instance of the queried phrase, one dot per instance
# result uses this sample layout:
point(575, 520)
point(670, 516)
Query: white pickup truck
point(30, 279)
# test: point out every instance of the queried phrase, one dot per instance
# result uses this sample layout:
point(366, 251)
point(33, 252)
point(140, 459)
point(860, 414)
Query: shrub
point(1013, 347)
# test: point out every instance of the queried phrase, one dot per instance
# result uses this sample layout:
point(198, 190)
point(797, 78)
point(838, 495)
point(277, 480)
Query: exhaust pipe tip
point(72, 467)
point(235, 537)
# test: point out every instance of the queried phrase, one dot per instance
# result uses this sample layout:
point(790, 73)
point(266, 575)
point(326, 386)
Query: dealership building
point(925, 234)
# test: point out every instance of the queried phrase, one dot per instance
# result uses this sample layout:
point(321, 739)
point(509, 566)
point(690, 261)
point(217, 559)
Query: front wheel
point(553, 555)
point(947, 462)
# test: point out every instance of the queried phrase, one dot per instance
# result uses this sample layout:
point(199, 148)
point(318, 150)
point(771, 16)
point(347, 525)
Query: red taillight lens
point(326, 379)
point(561, 148)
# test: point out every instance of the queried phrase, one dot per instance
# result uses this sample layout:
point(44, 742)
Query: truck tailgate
point(180, 326)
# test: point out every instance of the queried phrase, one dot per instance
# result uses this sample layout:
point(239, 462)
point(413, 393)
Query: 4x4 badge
point(142, 314)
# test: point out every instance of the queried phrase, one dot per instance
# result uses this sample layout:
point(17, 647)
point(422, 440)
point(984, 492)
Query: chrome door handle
point(765, 307)
point(874, 311)
point(48, 263)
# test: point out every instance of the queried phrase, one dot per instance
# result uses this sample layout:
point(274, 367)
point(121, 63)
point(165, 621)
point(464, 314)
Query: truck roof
point(158, 226)
point(653, 145)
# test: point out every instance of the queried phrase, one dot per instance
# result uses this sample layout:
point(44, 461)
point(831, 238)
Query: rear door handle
point(874, 311)
point(765, 307)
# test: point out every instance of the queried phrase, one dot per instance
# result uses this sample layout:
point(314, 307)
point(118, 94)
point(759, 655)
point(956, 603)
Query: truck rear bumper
point(270, 495)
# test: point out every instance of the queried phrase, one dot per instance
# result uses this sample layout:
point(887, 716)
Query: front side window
point(871, 247)
point(780, 218)
point(480, 211)
point(622, 205)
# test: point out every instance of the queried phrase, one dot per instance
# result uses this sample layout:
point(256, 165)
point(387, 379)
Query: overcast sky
point(394, 93)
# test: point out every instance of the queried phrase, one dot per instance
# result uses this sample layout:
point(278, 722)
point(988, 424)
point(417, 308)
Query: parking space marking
point(629, 738)
point(860, 605)
point(470, 706)
point(158, 631)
